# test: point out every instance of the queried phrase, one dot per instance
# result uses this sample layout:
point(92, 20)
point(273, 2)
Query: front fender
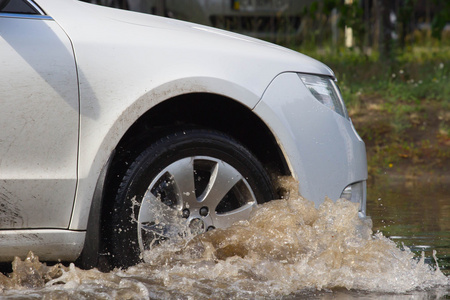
point(99, 136)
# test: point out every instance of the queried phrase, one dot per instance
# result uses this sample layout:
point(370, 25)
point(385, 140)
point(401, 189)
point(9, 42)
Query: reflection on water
point(288, 249)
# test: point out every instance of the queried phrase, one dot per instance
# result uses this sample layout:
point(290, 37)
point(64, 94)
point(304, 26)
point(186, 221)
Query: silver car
point(119, 128)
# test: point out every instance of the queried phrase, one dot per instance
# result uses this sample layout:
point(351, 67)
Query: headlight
point(325, 91)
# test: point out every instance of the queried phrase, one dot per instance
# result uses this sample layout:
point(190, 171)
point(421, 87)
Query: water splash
point(288, 246)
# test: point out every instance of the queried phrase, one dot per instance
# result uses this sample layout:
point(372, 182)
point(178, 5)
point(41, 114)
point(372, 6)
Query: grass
point(401, 108)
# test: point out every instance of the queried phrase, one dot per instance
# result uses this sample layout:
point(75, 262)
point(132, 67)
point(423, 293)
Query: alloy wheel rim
point(191, 196)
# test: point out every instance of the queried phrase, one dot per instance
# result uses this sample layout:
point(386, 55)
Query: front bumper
point(322, 148)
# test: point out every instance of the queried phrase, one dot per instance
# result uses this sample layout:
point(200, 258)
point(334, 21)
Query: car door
point(39, 115)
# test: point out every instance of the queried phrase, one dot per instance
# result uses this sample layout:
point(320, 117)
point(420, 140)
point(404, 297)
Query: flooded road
point(288, 249)
point(416, 214)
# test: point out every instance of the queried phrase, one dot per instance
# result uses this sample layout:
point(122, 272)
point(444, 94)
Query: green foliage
point(352, 16)
point(441, 18)
point(371, 25)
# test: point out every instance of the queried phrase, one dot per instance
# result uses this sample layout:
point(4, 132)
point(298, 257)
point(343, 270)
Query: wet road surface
point(308, 253)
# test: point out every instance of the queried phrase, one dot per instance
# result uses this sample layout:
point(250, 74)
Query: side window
point(17, 7)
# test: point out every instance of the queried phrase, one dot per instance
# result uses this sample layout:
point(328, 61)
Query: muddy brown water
point(309, 253)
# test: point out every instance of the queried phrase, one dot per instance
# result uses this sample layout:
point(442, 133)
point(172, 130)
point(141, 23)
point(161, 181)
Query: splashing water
point(286, 247)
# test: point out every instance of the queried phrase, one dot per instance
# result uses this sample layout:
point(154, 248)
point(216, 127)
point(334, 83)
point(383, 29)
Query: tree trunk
point(387, 29)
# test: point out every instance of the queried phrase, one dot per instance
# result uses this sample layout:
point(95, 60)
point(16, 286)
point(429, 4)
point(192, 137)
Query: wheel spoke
point(150, 234)
point(227, 219)
point(147, 209)
point(152, 211)
point(156, 229)
point(223, 178)
point(183, 177)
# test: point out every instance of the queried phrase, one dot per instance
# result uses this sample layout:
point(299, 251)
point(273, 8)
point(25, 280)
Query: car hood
point(169, 49)
point(302, 62)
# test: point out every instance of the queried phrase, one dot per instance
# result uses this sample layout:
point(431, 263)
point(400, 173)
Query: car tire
point(187, 182)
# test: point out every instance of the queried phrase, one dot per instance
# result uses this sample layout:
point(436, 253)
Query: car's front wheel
point(188, 182)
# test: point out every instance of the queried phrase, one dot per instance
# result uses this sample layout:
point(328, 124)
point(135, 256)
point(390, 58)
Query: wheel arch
point(210, 111)
point(203, 110)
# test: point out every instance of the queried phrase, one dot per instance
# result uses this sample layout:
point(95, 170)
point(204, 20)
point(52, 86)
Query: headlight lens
point(325, 90)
